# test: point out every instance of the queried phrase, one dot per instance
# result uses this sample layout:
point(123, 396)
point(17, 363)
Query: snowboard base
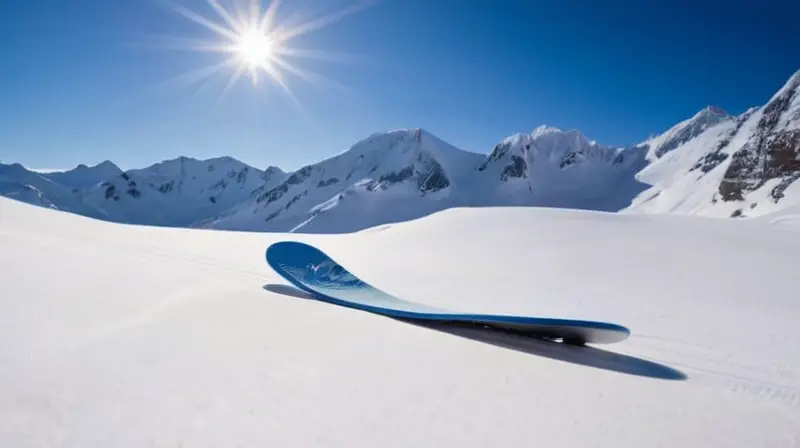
point(314, 272)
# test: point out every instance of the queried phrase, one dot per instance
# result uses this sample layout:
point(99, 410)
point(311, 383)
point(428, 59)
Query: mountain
point(20, 183)
point(84, 176)
point(409, 173)
point(555, 168)
point(711, 164)
point(177, 192)
point(387, 177)
point(740, 166)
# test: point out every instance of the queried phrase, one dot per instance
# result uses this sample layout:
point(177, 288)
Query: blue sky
point(82, 80)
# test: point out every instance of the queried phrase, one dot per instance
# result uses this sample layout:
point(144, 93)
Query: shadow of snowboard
point(526, 343)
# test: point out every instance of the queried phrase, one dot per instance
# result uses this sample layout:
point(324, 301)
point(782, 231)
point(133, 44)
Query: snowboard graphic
point(311, 270)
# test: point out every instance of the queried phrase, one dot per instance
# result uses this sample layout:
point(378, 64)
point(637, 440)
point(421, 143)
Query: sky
point(90, 80)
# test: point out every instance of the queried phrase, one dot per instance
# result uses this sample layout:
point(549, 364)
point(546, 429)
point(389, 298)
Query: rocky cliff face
point(772, 154)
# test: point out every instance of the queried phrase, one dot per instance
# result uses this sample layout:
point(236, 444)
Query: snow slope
point(130, 336)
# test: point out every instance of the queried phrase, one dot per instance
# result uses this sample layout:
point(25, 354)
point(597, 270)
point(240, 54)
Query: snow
point(129, 336)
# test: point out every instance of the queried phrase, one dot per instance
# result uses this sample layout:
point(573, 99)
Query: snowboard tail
point(314, 272)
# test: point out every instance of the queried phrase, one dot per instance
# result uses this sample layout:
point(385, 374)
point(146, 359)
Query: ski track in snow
point(705, 365)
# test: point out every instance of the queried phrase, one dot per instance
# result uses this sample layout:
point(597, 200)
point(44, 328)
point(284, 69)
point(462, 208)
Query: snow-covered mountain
point(555, 168)
point(178, 192)
point(22, 184)
point(711, 164)
point(409, 173)
point(739, 166)
point(387, 177)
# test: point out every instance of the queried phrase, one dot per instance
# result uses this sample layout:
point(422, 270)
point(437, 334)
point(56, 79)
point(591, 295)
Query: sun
point(253, 42)
point(254, 48)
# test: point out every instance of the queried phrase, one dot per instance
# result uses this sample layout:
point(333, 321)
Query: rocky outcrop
point(772, 153)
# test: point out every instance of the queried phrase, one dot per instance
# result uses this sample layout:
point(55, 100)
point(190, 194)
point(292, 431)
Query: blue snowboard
point(311, 270)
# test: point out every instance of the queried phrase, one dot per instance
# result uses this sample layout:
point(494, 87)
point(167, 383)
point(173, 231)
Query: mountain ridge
point(710, 164)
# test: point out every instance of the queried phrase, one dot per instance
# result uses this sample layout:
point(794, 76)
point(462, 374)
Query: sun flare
point(254, 43)
point(254, 48)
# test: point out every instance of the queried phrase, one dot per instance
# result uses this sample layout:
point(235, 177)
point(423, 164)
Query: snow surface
point(129, 336)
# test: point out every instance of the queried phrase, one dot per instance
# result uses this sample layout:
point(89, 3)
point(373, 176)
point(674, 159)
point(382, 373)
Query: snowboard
point(311, 270)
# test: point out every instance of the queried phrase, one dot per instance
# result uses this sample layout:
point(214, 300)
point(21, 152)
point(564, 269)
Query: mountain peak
point(544, 130)
point(791, 84)
point(105, 165)
point(711, 110)
point(684, 131)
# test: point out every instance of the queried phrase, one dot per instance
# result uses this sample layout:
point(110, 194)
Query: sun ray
point(166, 42)
point(268, 20)
point(200, 20)
point(223, 13)
point(255, 13)
point(199, 74)
point(235, 76)
point(321, 22)
point(316, 80)
point(315, 54)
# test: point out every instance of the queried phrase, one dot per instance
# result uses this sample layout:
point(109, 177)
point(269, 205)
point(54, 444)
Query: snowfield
point(115, 335)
